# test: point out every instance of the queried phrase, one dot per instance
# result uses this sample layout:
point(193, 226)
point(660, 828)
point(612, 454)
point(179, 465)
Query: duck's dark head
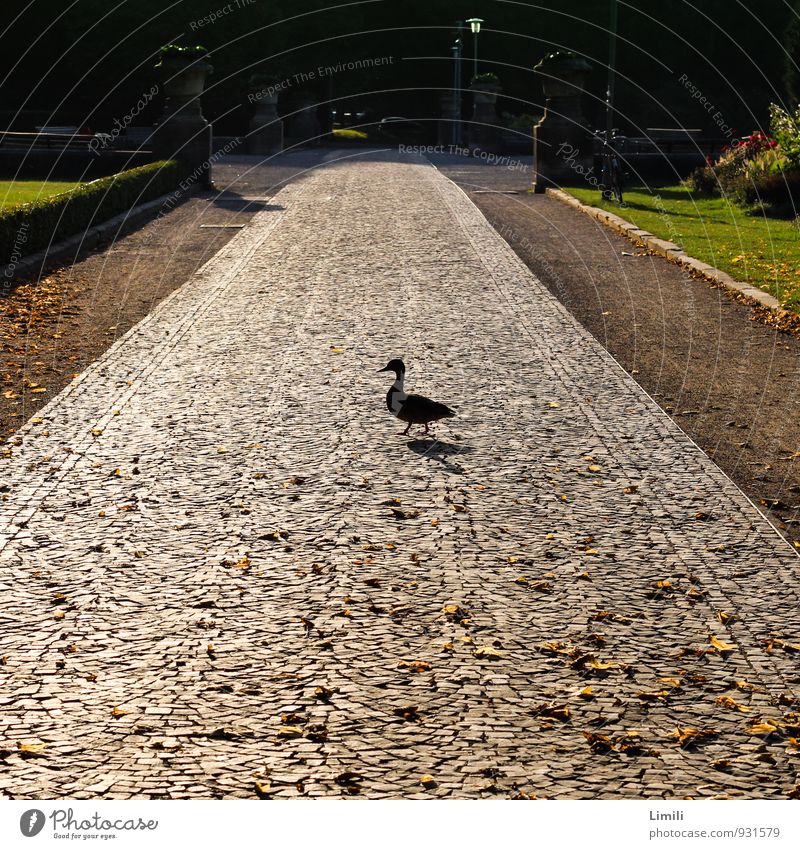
point(396, 366)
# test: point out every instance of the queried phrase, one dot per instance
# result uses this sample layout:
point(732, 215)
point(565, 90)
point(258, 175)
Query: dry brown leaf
point(287, 732)
point(728, 702)
point(691, 736)
point(720, 645)
point(487, 652)
point(415, 665)
point(559, 712)
point(32, 749)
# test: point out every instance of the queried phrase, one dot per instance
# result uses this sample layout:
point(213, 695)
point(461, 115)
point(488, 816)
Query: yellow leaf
point(631, 489)
point(39, 389)
point(32, 748)
point(434, 522)
point(37, 420)
point(554, 404)
point(728, 702)
point(720, 645)
point(767, 726)
point(289, 731)
point(335, 350)
point(467, 639)
point(96, 431)
point(595, 468)
point(118, 711)
point(521, 580)
point(448, 647)
point(415, 665)
point(673, 682)
point(262, 789)
point(586, 693)
point(745, 685)
point(427, 781)
point(599, 664)
point(243, 563)
point(652, 695)
point(487, 652)
point(686, 736)
point(59, 614)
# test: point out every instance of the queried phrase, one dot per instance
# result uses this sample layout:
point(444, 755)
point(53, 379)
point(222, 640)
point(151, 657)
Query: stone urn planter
point(183, 132)
point(562, 142)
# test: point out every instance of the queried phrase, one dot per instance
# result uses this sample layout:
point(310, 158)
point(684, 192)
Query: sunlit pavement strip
point(225, 574)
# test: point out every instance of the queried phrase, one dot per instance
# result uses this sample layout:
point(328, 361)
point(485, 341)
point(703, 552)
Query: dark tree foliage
point(89, 61)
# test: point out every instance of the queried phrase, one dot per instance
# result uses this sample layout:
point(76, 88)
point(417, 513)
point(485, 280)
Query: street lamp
point(475, 26)
point(457, 46)
point(608, 153)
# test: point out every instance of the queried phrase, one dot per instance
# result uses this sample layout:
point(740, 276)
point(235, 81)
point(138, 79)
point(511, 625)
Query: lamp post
point(475, 26)
point(458, 46)
point(612, 61)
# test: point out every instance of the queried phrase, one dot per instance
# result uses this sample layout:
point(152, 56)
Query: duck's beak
point(385, 368)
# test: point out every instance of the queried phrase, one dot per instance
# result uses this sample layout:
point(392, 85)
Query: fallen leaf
point(287, 732)
point(652, 695)
point(559, 712)
point(336, 350)
point(692, 736)
point(32, 749)
point(118, 711)
point(728, 702)
point(459, 508)
point(427, 781)
point(720, 645)
point(487, 652)
point(415, 665)
point(599, 742)
point(262, 789)
point(766, 726)
point(586, 693)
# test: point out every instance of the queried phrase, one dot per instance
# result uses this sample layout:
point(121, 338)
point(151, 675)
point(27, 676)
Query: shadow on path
point(441, 452)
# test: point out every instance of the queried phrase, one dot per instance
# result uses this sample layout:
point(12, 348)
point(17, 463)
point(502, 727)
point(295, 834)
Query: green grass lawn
point(764, 252)
point(15, 192)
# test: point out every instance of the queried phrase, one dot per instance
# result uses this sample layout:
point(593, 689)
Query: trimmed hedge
point(31, 227)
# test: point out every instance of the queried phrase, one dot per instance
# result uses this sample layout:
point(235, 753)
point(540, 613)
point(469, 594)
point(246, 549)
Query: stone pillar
point(183, 133)
point(483, 131)
point(303, 124)
point(448, 109)
point(266, 128)
point(562, 141)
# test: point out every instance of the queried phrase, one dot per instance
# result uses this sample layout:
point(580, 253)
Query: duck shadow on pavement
point(440, 452)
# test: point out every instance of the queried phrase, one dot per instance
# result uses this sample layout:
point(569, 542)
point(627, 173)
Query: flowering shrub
point(785, 126)
point(759, 169)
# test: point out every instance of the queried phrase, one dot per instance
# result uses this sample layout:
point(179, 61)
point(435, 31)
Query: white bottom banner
point(328, 824)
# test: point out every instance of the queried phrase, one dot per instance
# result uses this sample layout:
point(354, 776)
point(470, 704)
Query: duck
point(414, 409)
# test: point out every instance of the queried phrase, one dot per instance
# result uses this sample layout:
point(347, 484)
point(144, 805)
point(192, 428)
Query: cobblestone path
point(224, 574)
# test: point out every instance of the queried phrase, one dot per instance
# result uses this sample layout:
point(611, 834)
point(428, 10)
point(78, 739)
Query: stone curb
point(669, 250)
point(82, 242)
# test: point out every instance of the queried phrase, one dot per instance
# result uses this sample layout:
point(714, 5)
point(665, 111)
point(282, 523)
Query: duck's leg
point(405, 432)
point(427, 430)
